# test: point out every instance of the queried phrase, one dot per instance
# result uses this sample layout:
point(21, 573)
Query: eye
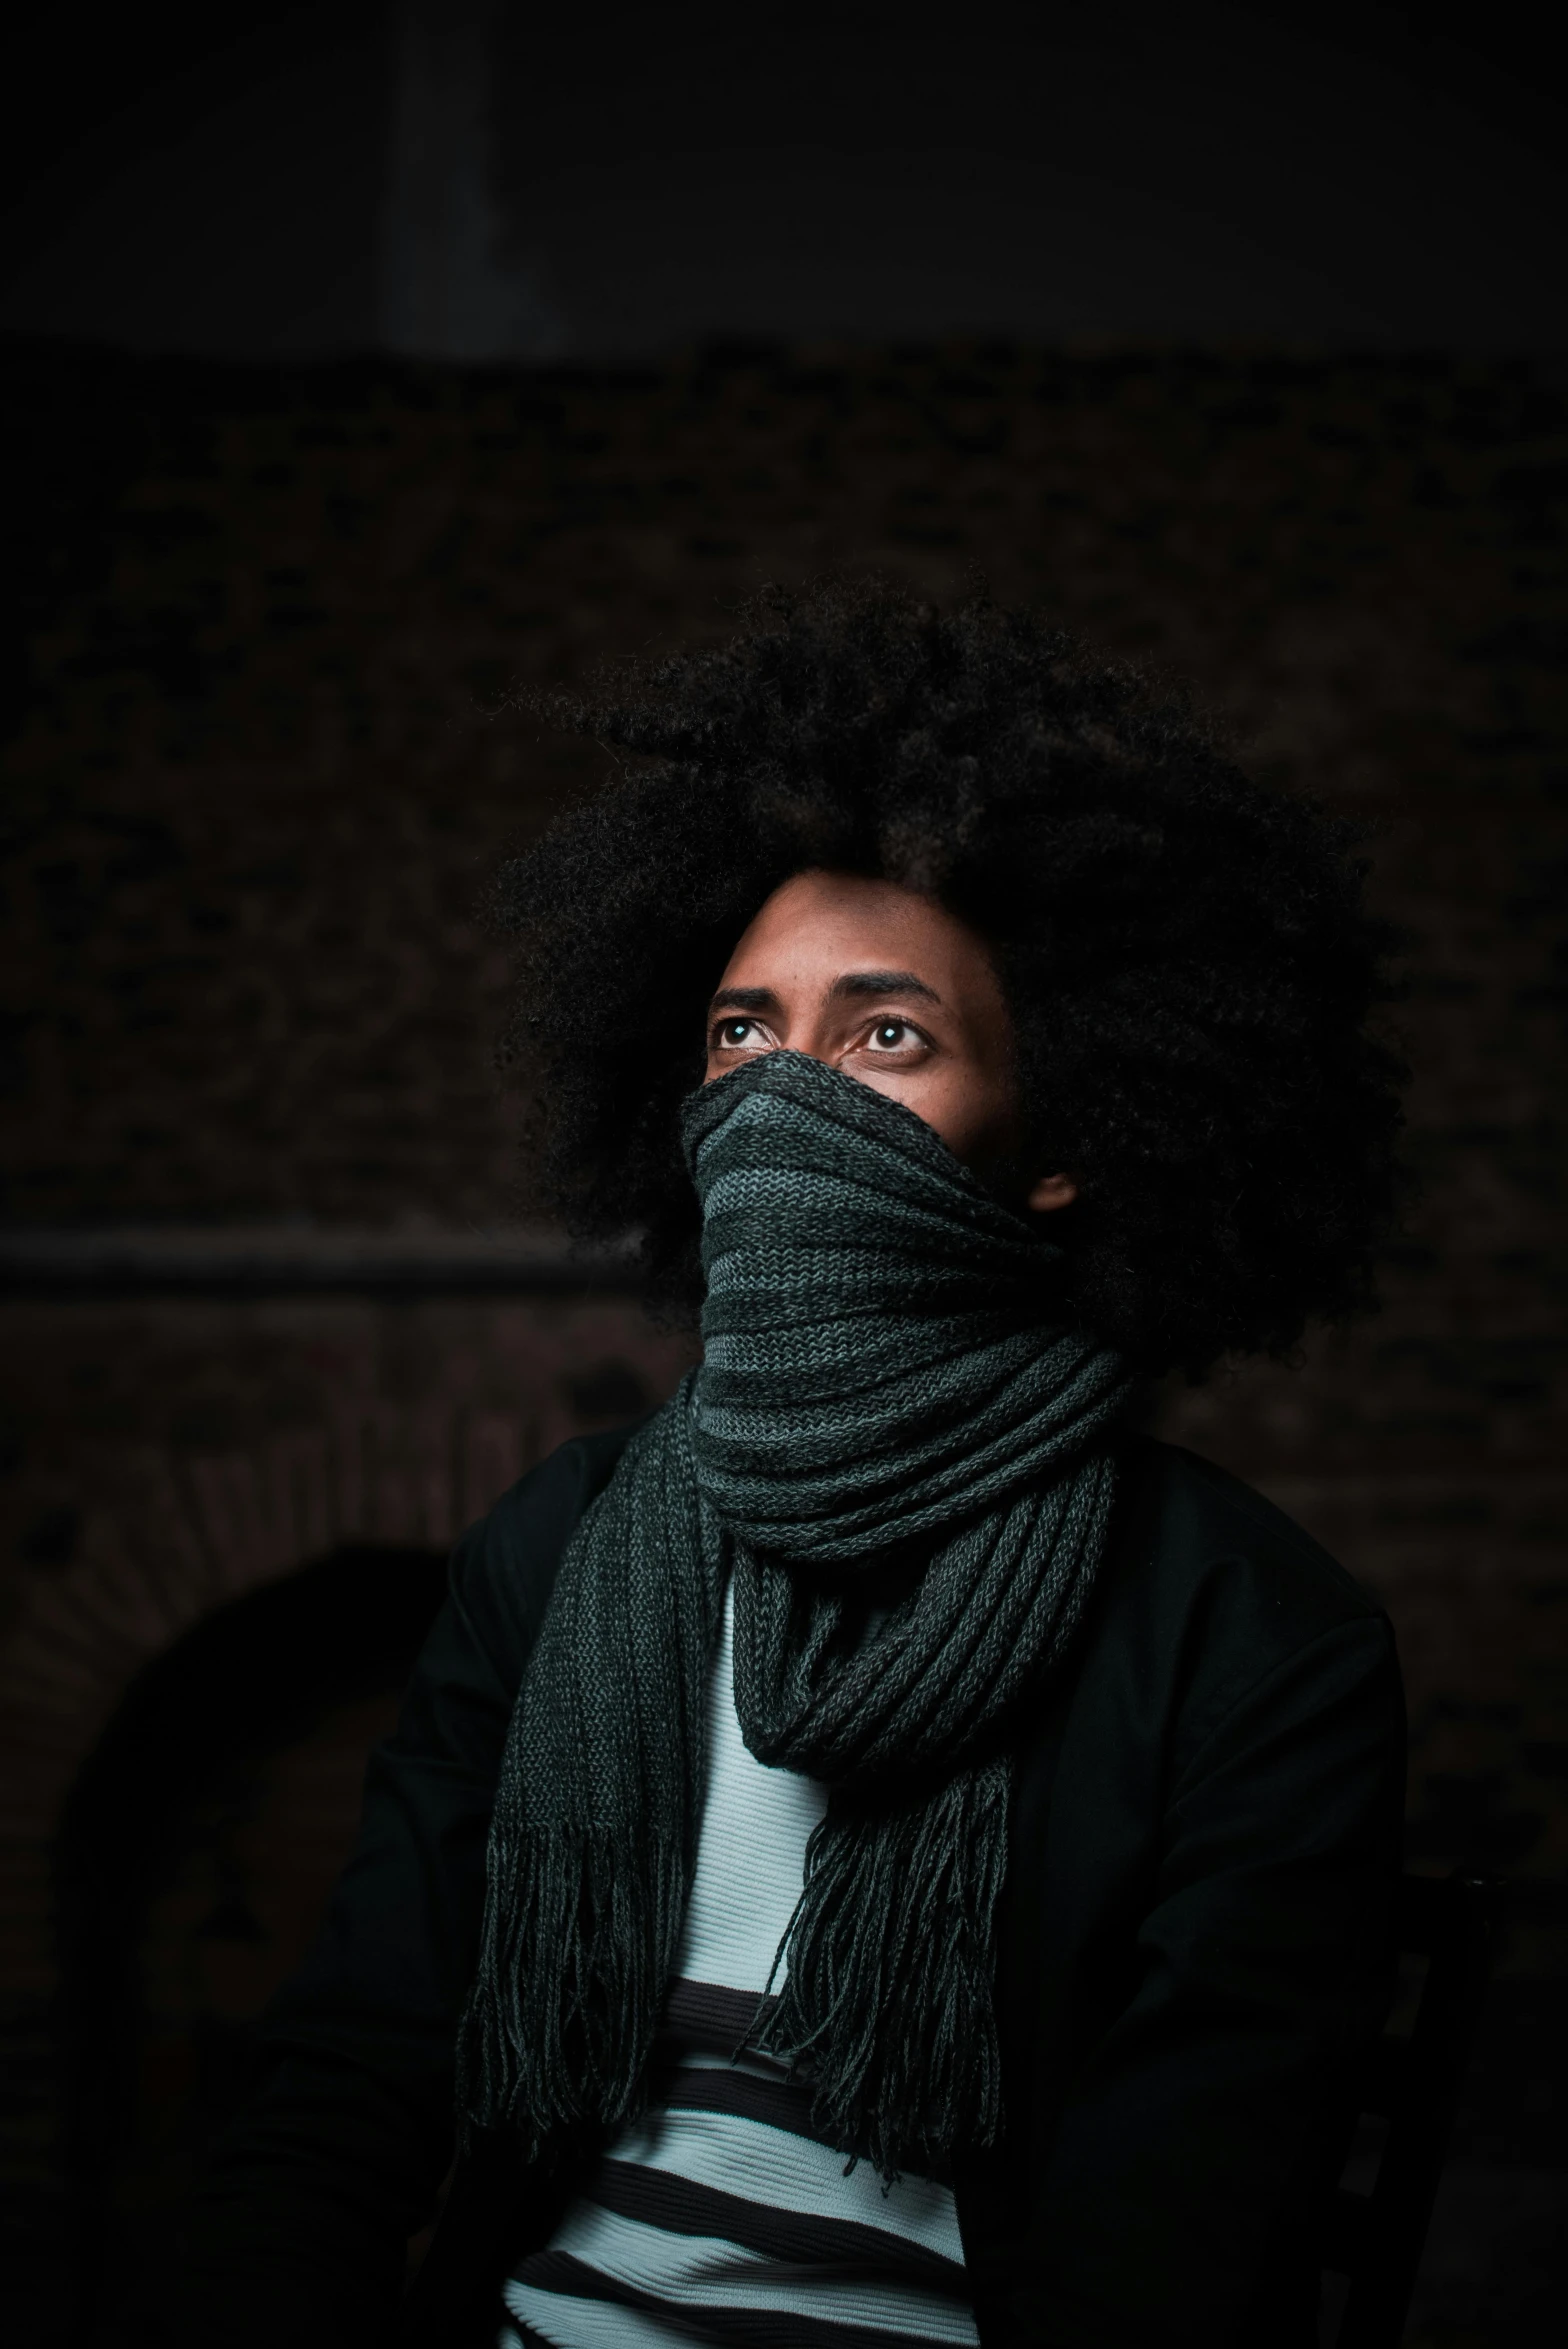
point(738, 1034)
point(894, 1036)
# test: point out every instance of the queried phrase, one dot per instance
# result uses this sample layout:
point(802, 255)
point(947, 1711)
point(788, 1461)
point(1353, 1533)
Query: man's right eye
point(739, 1033)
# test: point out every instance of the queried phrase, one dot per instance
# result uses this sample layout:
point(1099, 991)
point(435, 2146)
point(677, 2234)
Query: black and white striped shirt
point(720, 2216)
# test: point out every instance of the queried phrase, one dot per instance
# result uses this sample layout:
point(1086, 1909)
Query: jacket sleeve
point(300, 2230)
point(1175, 2204)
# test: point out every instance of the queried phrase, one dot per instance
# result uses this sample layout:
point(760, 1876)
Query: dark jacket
point(1192, 1949)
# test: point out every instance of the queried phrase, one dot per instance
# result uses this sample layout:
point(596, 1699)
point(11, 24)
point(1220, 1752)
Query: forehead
point(819, 925)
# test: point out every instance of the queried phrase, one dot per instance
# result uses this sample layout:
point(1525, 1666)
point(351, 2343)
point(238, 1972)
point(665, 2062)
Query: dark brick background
point(253, 796)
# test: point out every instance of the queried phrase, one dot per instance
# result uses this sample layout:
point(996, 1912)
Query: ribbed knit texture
point(902, 1456)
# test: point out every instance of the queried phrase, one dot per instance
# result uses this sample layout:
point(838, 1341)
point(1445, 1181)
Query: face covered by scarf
point(889, 1409)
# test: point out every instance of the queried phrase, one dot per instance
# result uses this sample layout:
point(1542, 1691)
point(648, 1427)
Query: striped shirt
point(720, 2215)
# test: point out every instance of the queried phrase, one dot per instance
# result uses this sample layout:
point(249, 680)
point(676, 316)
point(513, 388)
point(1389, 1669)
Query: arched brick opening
point(195, 1854)
point(169, 1541)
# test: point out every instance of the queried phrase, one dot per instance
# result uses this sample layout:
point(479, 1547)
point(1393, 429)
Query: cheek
point(976, 1116)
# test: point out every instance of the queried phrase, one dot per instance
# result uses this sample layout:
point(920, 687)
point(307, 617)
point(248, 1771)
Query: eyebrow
point(744, 999)
point(855, 984)
point(852, 986)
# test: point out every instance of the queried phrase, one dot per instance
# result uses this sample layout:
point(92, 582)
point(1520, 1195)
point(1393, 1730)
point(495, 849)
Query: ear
point(1058, 1190)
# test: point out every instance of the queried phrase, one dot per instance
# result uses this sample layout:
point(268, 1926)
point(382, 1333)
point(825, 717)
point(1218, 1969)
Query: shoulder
point(543, 1508)
point(1193, 1516)
point(1212, 1594)
point(1195, 1523)
point(503, 1568)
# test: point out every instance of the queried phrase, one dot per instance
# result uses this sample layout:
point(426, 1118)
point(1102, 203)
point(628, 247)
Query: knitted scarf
point(901, 1456)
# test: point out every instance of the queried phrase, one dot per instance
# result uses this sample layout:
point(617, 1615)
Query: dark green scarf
point(902, 1457)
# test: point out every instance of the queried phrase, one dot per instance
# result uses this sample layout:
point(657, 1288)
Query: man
point(882, 1853)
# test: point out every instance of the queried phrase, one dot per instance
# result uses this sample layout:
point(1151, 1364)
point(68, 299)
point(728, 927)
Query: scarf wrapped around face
point(888, 1409)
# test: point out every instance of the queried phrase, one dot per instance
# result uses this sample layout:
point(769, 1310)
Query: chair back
point(1375, 2237)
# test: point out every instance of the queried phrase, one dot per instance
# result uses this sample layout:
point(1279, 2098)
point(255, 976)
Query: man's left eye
point(887, 1035)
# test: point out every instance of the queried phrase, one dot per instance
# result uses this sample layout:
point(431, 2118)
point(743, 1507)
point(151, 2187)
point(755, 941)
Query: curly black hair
point(1191, 966)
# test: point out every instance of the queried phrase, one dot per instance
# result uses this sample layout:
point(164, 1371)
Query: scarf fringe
point(572, 1971)
point(887, 2007)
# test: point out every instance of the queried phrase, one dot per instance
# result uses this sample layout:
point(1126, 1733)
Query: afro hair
point(1191, 968)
